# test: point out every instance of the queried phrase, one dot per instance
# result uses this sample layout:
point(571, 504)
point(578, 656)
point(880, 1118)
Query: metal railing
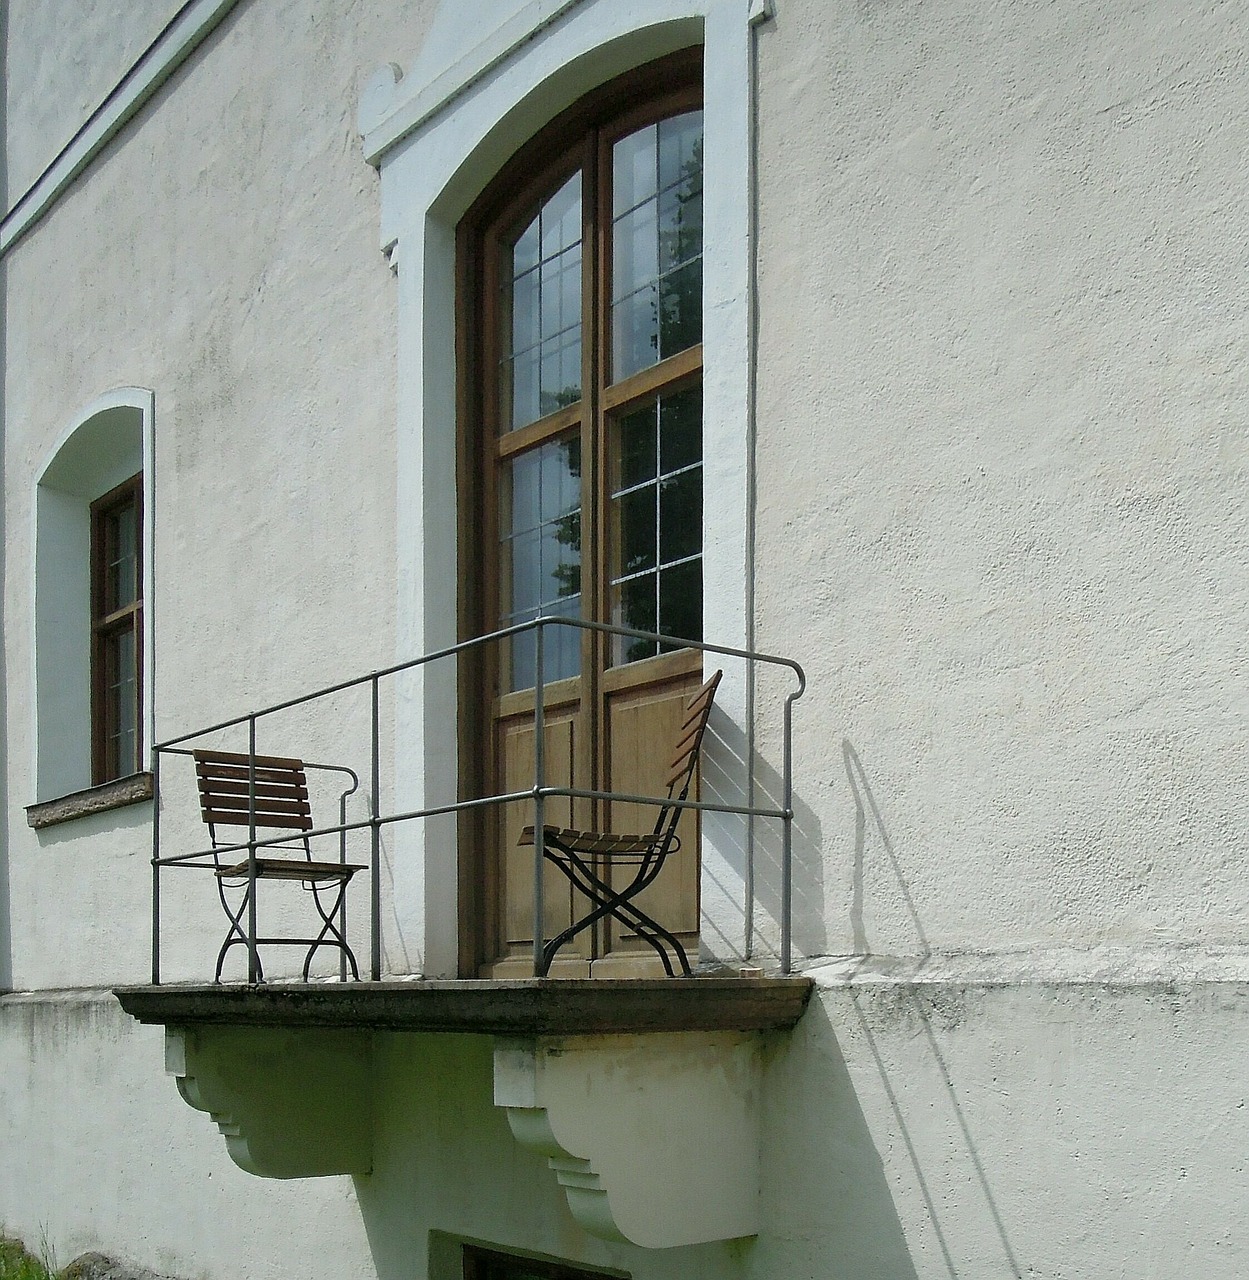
point(539, 793)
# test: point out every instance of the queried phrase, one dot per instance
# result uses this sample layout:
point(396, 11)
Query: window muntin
point(116, 631)
point(598, 540)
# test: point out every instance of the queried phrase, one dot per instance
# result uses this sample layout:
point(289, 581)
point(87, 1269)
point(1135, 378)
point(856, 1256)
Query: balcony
point(285, 1060)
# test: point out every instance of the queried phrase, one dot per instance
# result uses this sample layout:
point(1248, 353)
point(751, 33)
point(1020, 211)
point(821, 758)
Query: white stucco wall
point(1000, 457)
point(64, 56)
point(914, 1129)
point(1001, 467)
point(247, 291)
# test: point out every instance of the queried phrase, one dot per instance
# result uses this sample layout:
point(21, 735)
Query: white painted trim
point(160, 60)
point(390, 112)
point(447, 157)
point(142, 399)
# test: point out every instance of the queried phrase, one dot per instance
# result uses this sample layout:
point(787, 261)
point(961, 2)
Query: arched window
point(91, 576)
point(581, 292)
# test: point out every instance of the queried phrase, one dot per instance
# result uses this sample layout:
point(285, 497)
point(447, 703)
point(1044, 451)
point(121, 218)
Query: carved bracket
point(290, 1104)
point(620, 1118)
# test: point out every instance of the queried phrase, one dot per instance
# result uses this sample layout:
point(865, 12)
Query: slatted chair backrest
point(685, 755)
point(224, 779)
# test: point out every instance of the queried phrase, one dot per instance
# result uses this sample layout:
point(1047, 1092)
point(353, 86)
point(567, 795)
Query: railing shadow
point(755, 859)
point(870, 831)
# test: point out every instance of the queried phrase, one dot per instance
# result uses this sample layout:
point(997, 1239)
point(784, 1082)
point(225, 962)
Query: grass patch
point(17, 1263)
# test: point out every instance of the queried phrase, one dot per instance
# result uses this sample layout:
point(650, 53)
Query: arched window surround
point(106, 442)
point(439, 136)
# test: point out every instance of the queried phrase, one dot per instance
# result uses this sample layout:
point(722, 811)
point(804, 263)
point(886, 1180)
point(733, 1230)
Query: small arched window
point(92, 564)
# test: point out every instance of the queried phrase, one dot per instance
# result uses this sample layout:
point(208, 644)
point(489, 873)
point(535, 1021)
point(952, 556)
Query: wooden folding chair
point(281, 803)
point(588, 858)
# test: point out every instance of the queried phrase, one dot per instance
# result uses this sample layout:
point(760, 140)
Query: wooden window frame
point(581, 138)
point(490, 1264)
point(106, 627)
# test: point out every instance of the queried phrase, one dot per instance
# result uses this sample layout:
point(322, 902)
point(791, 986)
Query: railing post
point(155, 867)
point(375, 851)
point(539, 800)
point(748, 890)
point(342, 897)
point(253, 957)
point(787, 838)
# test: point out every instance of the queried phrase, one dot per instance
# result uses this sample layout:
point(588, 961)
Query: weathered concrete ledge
point(79, 804)
point(561, 1007)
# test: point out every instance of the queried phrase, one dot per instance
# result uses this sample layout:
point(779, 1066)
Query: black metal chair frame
point(576, 853)
point(226, 781)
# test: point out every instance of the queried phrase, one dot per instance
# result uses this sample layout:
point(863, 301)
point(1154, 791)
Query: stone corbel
point(290, 1104)
point(625, 1120)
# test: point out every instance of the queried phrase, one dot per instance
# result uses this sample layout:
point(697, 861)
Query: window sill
point(79, 804)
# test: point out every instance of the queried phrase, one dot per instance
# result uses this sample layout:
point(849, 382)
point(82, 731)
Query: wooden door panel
point(643, 715)
point(518, 772)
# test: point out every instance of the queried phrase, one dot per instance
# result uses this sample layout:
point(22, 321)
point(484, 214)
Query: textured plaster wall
point(1002, 463)
point(101, 1153)
point(223, 252)
point(64, 57)
point(913, 1130)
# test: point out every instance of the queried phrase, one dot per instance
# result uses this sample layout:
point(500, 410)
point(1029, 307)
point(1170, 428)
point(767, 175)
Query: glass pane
point(634, 176)
point(120, 530)
point(540, 366)
point(681, 429)
point(561, 293)
point(681, 149)
point(526, 571)
point(657, 241)
point(525, 253)
point(635, 332)
point(657, 522)
point(635, 448)
point(523, 493)
point(636, 512)
point(635, 249)
point(561, 218)
point(681, 600)
point(681, 308)
point(541, 554)
point(681, 515)
point(560, 468)
point(680, 227)
point(633, 606)
point(561, 373)
point(520, 388)
point(525, 317)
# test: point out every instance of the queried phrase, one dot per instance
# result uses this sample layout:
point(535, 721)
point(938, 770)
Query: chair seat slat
point(293, 869)
point(600, 842)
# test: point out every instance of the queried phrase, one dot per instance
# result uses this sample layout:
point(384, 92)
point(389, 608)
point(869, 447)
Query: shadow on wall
point(917, 1006)
point(870, 830)
point(763, 855)
point(6, 931)
point(828, 1206)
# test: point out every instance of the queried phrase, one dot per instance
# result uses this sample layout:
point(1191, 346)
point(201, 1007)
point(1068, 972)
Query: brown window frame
point(581, 138)
point(107, 626)
point(489, 1264)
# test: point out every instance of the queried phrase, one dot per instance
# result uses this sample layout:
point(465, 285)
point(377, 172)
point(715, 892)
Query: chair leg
point(236, 935)
point(331, 934)
point(617, 904)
